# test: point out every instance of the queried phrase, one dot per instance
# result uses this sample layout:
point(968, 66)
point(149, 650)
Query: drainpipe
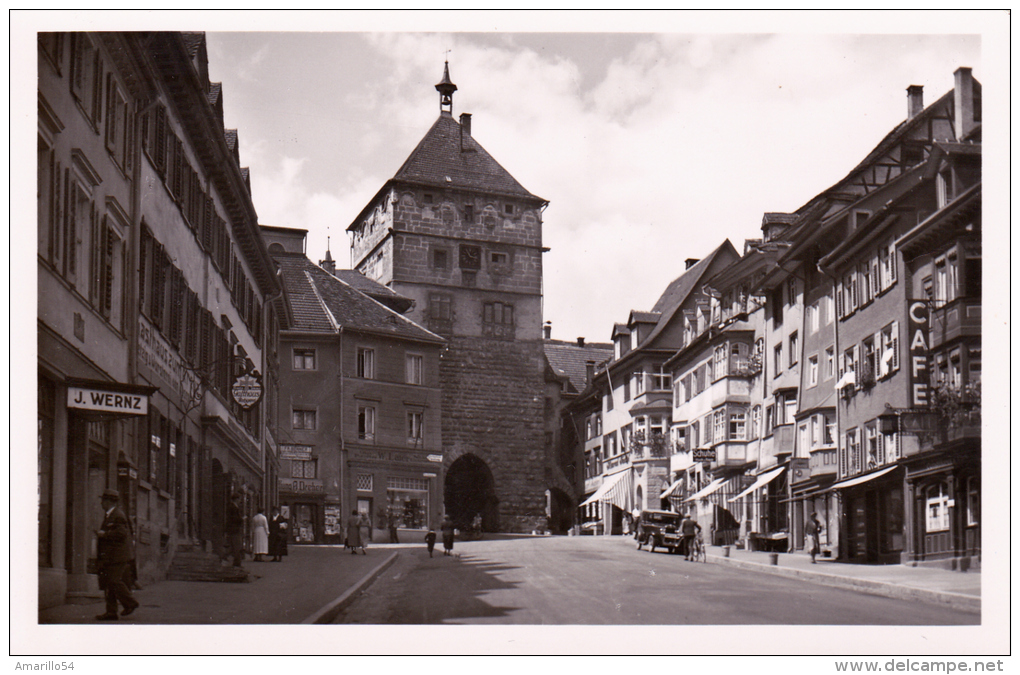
point(835, 356)
point(270, 495)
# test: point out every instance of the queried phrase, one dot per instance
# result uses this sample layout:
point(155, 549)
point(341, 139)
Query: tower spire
point(446, 89)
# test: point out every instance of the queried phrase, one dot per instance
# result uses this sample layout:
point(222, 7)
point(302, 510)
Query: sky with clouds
point(651, 147)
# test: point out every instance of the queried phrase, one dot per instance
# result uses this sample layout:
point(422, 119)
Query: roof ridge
point(315, 289)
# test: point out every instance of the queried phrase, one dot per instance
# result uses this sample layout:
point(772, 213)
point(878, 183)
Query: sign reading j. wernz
point(84, 398)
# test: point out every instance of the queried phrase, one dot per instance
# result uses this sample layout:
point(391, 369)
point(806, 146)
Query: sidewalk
point(959, 590)
point(311, 585)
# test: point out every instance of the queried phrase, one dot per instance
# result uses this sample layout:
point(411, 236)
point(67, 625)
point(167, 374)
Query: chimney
point(589, 371)
point(915, 100)
point(547, 328)
point(691, 262)
point(465, 130)
point(580, 342)
point(963, 93)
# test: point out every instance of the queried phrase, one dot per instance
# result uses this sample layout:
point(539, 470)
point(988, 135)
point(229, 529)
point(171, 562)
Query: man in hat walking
point(115, 556)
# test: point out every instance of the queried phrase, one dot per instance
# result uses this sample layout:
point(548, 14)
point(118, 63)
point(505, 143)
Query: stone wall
point(493, 398)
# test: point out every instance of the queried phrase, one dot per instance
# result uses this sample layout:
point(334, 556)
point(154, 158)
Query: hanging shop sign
point(434, 458)
point(247, 390)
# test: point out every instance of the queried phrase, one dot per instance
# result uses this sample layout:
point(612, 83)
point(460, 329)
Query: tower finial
point(446, 89)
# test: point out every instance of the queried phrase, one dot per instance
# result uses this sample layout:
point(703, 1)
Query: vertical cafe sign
point(917, 323)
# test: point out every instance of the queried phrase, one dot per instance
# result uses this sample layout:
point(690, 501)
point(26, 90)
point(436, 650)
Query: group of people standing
point(269, 536)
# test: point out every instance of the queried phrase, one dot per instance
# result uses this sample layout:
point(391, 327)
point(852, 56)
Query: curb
point(959, 601)
point(333, 609)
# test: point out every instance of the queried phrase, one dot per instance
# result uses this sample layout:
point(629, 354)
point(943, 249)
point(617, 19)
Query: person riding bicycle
point(689, 530)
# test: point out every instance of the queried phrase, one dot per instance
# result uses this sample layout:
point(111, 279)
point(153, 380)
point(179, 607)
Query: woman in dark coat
point(277, 536)
point(447, 528)
point(354, 533)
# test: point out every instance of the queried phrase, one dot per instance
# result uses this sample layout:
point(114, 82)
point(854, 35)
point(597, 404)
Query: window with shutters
point(86, 83)
point(888, 359)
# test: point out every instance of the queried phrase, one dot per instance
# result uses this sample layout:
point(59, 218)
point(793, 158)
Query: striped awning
point(857, 480)
point(760, 481)
point(707, 490)
point(614, 490)
point(672, 489)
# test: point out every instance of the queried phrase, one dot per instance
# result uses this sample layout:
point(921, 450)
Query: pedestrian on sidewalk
point(430, 541)
point(277, 536)
point(115, 555)
point(234, 527)
point(260, 535)
point(354, 533)
point(689, 529)
point(812, 530)
point(447, 529)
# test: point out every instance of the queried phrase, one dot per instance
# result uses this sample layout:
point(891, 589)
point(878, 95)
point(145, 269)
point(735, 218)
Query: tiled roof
point(683, 286)
point(439, 160)
point(644, 317)
point(384, 294)
point(215, 91)
point(193, 40)
point(318, 298)
point(570, 360)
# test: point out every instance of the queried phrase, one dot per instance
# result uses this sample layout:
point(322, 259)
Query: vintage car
point(659, 529)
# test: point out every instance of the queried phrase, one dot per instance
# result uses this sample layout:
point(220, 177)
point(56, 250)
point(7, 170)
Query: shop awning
point(763, 479)
point(707, 490)
point(672, 489)
point(611, 490)
point(857, 480)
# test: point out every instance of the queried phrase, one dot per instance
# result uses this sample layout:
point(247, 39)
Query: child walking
point(430, 541)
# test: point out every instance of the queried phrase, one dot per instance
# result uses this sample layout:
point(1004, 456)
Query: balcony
point(822, 462)
point(778, 445)
point(961, 317)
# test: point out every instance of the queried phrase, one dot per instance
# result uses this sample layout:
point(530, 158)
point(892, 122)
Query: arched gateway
point(469, 491)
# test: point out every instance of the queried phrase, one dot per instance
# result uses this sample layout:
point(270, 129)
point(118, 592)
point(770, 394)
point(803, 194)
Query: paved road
point(594, 580)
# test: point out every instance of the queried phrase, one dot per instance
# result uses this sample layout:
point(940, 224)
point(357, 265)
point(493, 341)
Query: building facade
point(153, 283)
point(360, 405)
point(456, 233)
point(628, 461)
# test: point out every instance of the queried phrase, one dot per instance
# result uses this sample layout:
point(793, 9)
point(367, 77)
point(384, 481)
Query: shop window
point(937, 508)
point(304, 359)
point(366, 363)
point(407, 500)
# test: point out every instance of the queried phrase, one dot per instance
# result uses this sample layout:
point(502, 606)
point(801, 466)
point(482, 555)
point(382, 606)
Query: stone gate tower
point(454, 231)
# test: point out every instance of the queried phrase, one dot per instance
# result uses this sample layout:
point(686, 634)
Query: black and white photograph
point(452, 333)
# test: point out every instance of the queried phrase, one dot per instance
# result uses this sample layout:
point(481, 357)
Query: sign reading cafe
point(918, 326)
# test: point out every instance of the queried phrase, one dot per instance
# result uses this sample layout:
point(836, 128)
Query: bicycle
point(697, 552)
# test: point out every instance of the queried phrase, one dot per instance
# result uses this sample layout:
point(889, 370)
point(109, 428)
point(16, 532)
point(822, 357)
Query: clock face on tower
point(470, 257)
